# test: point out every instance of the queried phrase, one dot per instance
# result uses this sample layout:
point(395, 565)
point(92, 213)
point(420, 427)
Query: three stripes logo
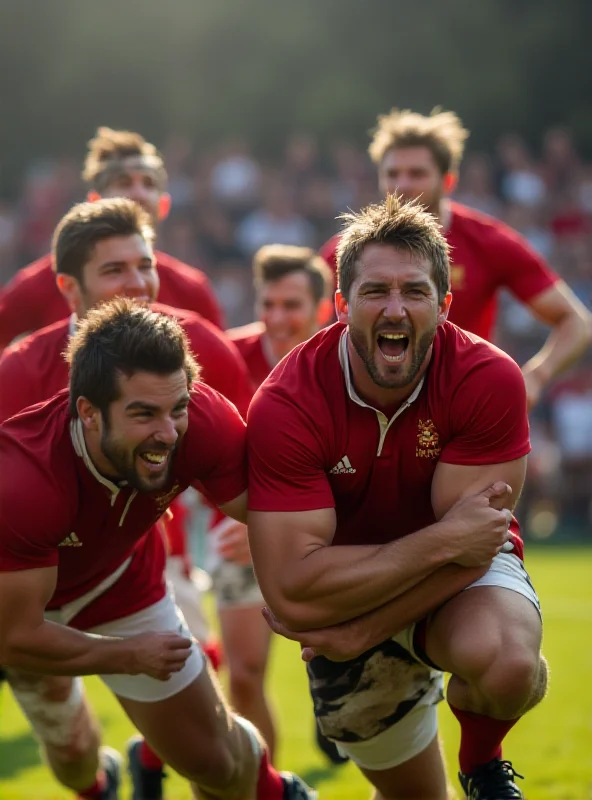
point(71, 541)
point(342, 467)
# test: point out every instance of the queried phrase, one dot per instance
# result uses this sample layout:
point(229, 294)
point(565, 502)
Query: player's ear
point(341, 308)
point(69, 288)
point(164, 205)
point(444, 308)
point(88, 414)
point(93, 196)
point(450, 182)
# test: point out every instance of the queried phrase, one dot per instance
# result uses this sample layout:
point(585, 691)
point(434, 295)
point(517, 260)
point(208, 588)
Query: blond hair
point(405, 226)
point(110, 147)
point(441, 132)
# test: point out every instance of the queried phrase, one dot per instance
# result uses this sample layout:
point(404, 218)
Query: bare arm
point(29, 642)
point(451, 483)
point(309, 584)
point(350, 639)
point(569, 338)
point(237, 508)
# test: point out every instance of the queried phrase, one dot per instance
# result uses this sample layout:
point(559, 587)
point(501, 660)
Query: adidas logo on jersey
point(71, 541)
point(342, 467)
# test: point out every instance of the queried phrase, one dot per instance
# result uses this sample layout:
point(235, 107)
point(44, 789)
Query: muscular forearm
point(568, 340)
point(335, 584)
point(388, 620)
point(53, 649)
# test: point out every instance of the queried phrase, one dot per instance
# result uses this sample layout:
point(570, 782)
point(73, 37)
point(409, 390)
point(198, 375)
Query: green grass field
point(552, 746)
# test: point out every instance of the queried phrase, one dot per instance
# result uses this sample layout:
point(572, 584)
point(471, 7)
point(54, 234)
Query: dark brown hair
point(405, 226)
point(274, 261)
point(86, 224)
point(122, 337)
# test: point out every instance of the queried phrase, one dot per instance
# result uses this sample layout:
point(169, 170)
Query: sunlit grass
point(552, 746)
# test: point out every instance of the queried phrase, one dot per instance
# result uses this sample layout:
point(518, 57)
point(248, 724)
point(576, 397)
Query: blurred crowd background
point(262, 116)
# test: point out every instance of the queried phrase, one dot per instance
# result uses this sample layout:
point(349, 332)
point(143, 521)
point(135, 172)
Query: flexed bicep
point(452, 482)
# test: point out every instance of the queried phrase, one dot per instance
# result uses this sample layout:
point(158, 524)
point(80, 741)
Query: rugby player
point(385, 456)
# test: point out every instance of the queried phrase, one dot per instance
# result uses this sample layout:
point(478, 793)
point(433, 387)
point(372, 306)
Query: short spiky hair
point(109, 147)
point(123, 337)
point(272, 262)
point(441, 132)
point(405, 226)
point(86, 224)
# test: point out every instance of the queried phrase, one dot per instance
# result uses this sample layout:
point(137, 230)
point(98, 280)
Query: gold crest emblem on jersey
point(457, 276)
point(164, 500)
point(428, 441)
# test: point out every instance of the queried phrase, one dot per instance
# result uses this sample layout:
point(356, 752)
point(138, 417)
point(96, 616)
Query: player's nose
point(138, 193)
point(167, 432)
point(276, 316)
point(394, 308)
point(403, 184)
point(136, 281)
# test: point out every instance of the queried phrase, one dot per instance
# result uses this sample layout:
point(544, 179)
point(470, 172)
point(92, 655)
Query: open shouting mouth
point(393, 346)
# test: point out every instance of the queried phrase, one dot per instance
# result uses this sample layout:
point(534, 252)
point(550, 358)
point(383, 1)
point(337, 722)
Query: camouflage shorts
point(235, 586)
point(357, 700)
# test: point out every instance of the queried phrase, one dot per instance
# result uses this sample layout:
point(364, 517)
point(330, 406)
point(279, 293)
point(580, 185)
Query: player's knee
point(512, 680)
point(213, 767)
point(59, 714)
point(56, 689)
point(246, 677)
point(471, 656)
point(75, 748)
point(539, 689)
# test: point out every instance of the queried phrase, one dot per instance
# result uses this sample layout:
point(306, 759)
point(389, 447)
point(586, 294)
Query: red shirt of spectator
point(33, 370)
point(57, 510)
point(32, 300)
point(329, 449)
point(249, 342)
point(485, 256)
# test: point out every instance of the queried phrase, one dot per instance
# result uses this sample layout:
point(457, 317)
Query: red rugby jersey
point(57, 510)
point(33, 369)
point(32, 300)
point(486, 256)
point(248, 342)
point(314, 444)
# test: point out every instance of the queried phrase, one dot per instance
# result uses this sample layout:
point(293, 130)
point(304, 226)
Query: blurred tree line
point(263, 68)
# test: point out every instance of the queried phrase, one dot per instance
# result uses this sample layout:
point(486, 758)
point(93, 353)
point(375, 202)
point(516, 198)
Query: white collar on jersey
point(72, 324)
point(79, 444)
point(345, 366)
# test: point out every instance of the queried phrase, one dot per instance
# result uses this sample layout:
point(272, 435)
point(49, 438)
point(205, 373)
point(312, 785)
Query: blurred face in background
point(137, 181)
point(289, 311)
point(413, 173)
point(120, 266)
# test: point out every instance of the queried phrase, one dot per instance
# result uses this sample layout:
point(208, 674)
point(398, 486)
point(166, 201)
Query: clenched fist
point(479, 530)
point(157, 654)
